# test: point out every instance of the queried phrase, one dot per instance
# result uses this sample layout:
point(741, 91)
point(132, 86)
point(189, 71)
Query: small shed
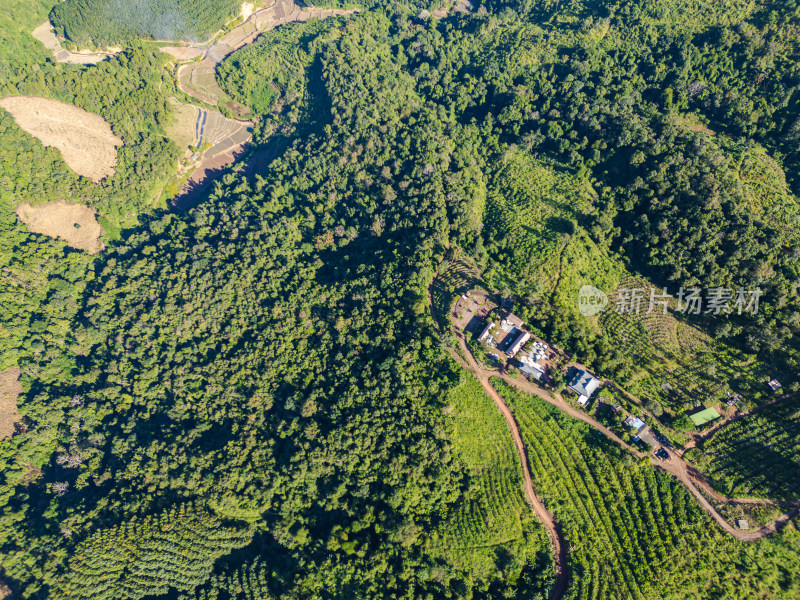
point(774, 385)
point(743, 524)
point(635, 422)
point(485, 333)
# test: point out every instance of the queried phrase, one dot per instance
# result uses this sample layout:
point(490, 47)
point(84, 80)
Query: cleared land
point(74, 223)
point(10, 390)
point(223, 138)
point(45, 34)
point(85, 140)
point(184, 52)
point(184, 129)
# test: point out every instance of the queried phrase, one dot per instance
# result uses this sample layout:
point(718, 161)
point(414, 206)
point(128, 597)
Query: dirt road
point(553, 530)
point(675, 467)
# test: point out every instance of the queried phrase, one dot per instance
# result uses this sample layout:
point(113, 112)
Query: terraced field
point(198, 79)
point(678, 364)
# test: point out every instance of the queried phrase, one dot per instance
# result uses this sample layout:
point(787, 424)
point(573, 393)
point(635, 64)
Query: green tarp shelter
point(704, 416)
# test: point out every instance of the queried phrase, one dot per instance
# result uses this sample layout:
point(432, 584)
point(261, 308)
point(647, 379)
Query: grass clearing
point(183, 128)
point(74, 223)
point(85, 140)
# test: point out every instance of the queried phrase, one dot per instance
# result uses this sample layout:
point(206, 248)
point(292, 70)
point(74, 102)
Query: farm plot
point(10, 390)
point(634, 533)
point(757, 456)
point(74, 223)
point(678, 364)
point(184, 52)
point(199, 80)
point(222, 133)
point(493, 513)
point(225, 139)
point(184, 129)
point(85, 140)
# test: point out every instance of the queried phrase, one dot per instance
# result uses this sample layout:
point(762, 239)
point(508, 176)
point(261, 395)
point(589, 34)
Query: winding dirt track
point(553, 530)
point(675, 467)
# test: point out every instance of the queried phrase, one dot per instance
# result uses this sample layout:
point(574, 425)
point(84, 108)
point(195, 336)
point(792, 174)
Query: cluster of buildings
point(509, 337)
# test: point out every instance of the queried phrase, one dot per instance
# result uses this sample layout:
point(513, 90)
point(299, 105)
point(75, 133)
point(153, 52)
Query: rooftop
point(635, 422)
point(584, 383)
point(532, 371)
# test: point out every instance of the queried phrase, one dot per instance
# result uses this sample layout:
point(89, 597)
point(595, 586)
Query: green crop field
point(758, 456)
point(494, 515)
point(678, 365)
point(634, 533)
point(531, 205)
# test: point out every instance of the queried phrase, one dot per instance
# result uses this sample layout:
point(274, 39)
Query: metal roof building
point(584, 383)
point(518, 343)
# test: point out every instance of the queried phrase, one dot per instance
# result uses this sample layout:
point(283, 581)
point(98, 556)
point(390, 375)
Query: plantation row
point(114, 22)
point(528, 206)
point(695, 374)
point(143, 557)
point(248, 582)
point(758, 456)
point(495, 507)
point(634, 533)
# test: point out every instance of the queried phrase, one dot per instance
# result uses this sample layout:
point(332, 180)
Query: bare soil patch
point(10, 390)
point(184, 52)
point(74, 223)
point(201, 179)
point(45, 34)
point(85, 140)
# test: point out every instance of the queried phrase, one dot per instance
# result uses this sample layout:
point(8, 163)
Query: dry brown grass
point(74, 223)
point(84, 139)
point(45, 34)
point(184, 52)
point(10, 390)
point(182, 129)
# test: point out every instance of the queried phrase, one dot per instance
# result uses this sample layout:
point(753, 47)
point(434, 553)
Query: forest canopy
point(255, 398)
point(105, 23)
